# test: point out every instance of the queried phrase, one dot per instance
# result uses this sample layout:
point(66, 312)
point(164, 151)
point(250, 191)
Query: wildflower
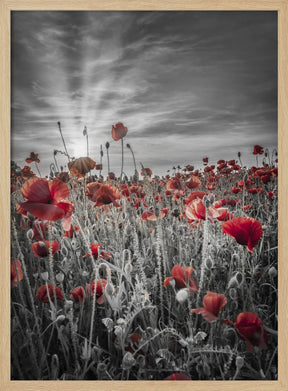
point(63, 176)
point(94, 251)
point(182, 277)
point(177, 376)
point(194, 182)
point(146, 172)
point(250, 328)
point(103, 194)
point(15, 271)
point(78, 294)
point(119, 131)
point(213, 303)
point(196, 210)
point(32, 158)
point(258, 150)
point(42, 294)
point(46, 199)
point(81, 166)
point(41, 249)
point(205, 160)
point(152, 215)
point(100, 286)
point(245, 230)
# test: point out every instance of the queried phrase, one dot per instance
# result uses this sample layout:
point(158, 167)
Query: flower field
point(147, 278)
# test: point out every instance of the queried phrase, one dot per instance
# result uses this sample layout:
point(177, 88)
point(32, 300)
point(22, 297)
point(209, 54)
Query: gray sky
point(186, 84)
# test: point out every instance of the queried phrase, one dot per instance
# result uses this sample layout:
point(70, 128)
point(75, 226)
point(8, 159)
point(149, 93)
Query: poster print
point(144, 195)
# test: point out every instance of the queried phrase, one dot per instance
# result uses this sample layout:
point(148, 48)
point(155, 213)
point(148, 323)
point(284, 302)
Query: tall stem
point(122, 161)
point(59, 125)
point(36, 164)
point(108, 160)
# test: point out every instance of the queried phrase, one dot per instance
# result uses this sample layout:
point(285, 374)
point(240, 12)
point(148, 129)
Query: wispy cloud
point(187, 84)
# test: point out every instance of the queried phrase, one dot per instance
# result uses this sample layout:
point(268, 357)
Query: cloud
point(191, 83)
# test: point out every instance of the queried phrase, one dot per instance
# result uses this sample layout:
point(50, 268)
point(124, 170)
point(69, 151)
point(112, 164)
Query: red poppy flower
point(245, 230)
point(99, 167)
point(94, 250)
point(32, 158)
point(174, 184)
point(102, 194)
point(193, 195)
point(188, 168)
point(42, 294)
point(100, 286)
point(111, 175)
point(27, 173)
point(194, 182)
point(63, 176)
point(213, 304)
point(225, 214)
point(78, 294)
point(46, 199)
point(177, 376)
point(236, 190)
point(105, 255)
point(250, 327)
point(70, 233)
point(41, 249)
point(196, 210)
point(270, 195)
point(182, 277)
point(149, 215)
point(146, 172)
point(81, 166)
point(258, 150)
point(14, 280)
point(119, 131)
point(221, 161)
point(205, 160)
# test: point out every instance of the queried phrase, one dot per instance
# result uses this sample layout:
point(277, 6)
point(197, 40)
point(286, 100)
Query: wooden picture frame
point(281, 6)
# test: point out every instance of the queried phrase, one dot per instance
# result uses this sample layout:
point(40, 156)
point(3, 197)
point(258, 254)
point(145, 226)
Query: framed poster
point(146, 243)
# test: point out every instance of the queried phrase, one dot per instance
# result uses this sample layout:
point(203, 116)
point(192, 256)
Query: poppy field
point(147, 277)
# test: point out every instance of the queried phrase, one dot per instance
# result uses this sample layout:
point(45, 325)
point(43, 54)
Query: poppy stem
point(59, 125)
point(36, 164)
point(101, 156)
point(122, 161)
point(56, 164)
point(108, 161)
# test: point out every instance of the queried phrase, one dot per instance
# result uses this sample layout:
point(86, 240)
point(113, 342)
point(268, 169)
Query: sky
point(186, 84)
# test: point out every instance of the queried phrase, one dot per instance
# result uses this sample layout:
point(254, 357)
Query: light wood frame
point(281, 6)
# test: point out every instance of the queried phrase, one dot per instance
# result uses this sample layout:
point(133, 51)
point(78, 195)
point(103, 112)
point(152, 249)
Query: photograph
point(144, 195)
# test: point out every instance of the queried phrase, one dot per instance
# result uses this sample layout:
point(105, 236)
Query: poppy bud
point(108, 323)
point(272, 272)
point(128, 268)
point(45, 276)
point(235, 258)
point(128, 361)
point(239, 154)
point(239, 362)
point(175, 212)
point(206, 369)
point(233, 294)
point(107, 145)
point(209, 263)
point(109, 289)
point(30, 234)
point(60, 318)
point(239, 277)
point(182, 295)
point(128, 146)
